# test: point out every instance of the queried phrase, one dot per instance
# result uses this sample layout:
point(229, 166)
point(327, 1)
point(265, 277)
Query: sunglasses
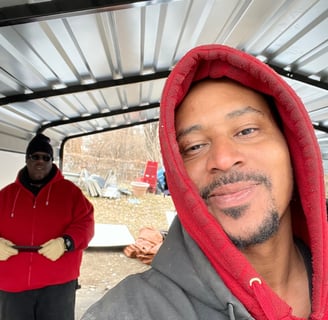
point(36, 157)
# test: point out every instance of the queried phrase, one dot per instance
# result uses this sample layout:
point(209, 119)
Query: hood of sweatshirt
point(308, 208)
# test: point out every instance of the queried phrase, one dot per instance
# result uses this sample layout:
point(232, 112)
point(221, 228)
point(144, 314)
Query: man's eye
point(247, 131)
point(190, 149)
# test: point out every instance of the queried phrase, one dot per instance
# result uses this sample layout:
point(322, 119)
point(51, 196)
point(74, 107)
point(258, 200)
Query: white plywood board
point(111, 235)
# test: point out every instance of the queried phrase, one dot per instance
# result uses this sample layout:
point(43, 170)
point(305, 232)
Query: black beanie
point(39, 143)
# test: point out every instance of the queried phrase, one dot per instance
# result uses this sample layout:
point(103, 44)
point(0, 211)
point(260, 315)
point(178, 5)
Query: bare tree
point(152, 141)
point(124, 152)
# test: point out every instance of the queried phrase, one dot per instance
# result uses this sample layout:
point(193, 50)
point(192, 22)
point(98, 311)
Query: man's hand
point(6, 249)
point(53, 249)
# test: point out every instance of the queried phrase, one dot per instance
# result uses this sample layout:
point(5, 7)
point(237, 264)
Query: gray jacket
point(180, 285)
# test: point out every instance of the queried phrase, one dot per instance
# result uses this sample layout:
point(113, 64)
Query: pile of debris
point(97, 186)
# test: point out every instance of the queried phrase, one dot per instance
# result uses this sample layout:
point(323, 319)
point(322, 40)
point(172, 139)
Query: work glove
point(6, 249)
point(53, 249)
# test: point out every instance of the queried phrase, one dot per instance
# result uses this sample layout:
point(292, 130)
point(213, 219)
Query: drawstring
point(231, 312)
point(48, 195)
point(12, 213)
point(262, 298)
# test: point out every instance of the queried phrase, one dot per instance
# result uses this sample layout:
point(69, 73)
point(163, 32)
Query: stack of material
point(146, 245)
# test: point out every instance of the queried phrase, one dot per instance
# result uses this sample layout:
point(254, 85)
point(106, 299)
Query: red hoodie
point(308, 211)
point(60, 208)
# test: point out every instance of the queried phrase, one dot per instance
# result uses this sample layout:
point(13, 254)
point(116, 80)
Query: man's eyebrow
point(240, 112)
point(234, 114)
point(184, 132)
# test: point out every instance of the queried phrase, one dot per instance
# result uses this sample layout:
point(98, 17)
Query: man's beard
point(265, 231)
point(268, 227)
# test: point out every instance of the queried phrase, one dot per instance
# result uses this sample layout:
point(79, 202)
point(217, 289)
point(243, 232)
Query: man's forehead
point(40, 152)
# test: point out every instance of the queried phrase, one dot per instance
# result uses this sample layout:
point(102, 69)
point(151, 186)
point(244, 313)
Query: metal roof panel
point(75, 68)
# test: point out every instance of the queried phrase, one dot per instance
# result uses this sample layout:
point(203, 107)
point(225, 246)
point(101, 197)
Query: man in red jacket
point(45, 224)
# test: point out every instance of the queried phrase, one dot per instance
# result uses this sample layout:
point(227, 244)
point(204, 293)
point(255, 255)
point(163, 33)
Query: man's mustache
point(234, 177)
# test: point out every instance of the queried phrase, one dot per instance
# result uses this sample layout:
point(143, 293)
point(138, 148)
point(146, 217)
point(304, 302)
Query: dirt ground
point(103, 268)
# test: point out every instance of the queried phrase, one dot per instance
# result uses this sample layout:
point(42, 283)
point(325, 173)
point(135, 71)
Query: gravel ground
point(103, 268)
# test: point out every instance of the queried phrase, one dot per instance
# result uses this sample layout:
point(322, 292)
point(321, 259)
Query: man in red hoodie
point(45, 223)
point(245, 173)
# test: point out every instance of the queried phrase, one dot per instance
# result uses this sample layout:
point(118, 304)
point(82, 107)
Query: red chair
point(150, 175)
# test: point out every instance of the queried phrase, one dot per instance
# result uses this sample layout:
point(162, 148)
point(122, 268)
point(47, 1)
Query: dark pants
point(50, 303)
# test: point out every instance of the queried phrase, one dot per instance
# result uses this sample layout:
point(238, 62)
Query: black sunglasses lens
point(36, 157)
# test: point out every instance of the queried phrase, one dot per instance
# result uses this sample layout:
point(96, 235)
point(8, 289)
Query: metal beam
point(80, 88)
point(25, 13)
point(97, 115)
point(320, 127)
point(136, 79)
point(300, 77)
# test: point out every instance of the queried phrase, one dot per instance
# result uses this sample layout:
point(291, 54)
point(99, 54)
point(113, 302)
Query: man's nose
point(225, 154)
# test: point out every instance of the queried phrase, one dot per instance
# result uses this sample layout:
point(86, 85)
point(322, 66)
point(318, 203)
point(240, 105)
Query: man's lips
point(232, 195)
point(39, 167)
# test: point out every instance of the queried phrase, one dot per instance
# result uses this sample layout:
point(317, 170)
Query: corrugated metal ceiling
point(70, 68)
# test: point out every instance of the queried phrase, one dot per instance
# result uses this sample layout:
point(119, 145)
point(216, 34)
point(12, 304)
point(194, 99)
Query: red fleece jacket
point(59, 208)
point(308, 211)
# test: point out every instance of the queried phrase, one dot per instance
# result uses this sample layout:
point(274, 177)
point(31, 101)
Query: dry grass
point(103, 268)
point(150, 211)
